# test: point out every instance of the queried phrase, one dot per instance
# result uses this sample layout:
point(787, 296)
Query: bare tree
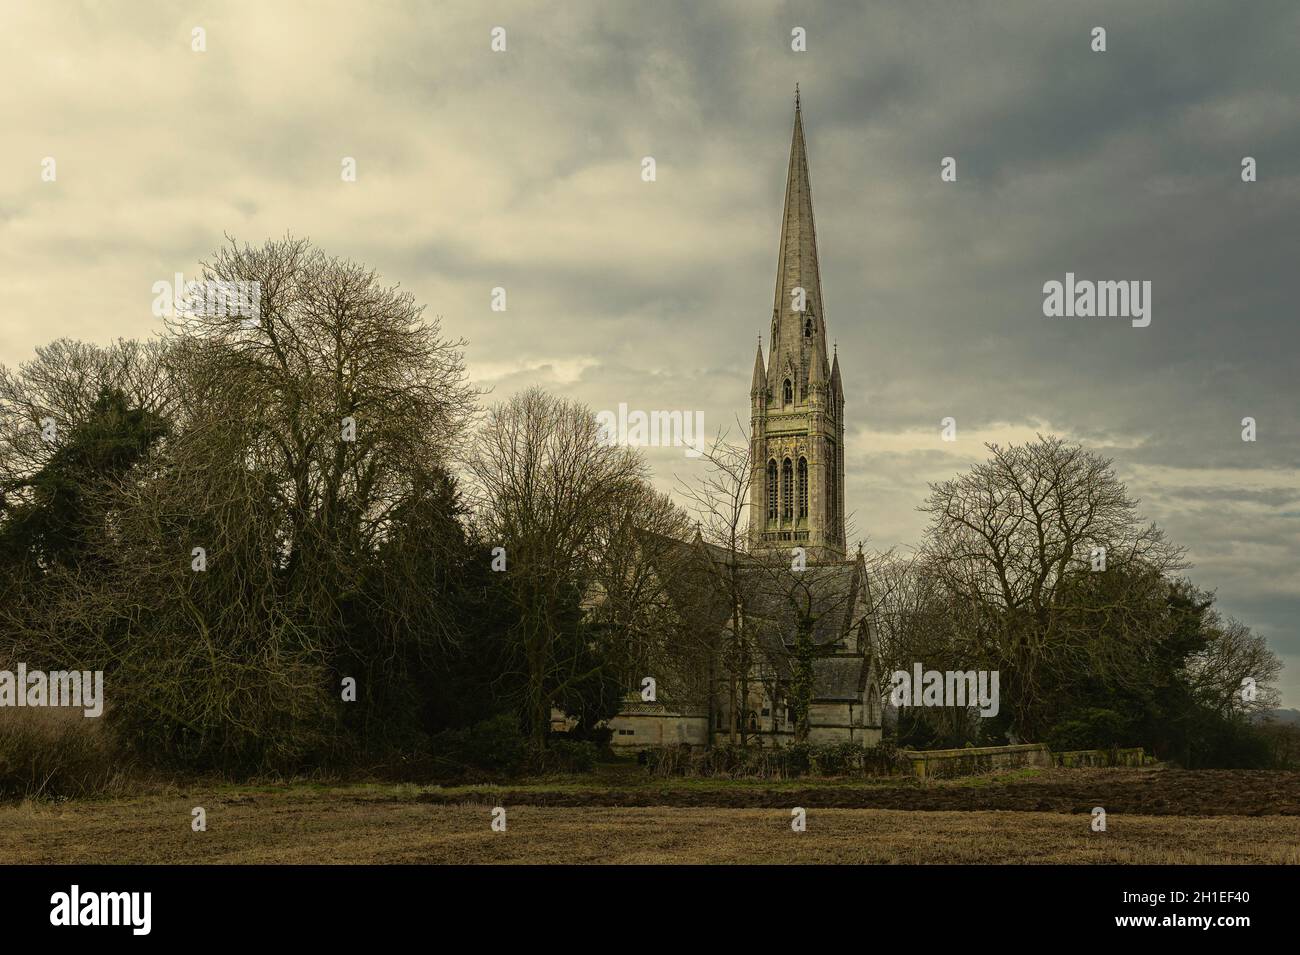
point(719, 501)
point(43, 399)
point(919, 620)
point(1004, 537)
point(1235, 672)
point(549, 490)
point(637, 597)
point(248, 562)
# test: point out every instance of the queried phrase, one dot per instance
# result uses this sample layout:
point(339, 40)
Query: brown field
point(408, 824)
point(1142, 792)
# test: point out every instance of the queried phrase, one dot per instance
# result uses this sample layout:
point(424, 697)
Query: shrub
point(1091, 728)
point(787, 762)
point(496, 744)
point(569, 756)
point(1232, 742)
point(799, 759)
point(56, 754)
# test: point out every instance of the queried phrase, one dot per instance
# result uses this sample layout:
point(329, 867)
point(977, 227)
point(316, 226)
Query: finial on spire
point(796, 97)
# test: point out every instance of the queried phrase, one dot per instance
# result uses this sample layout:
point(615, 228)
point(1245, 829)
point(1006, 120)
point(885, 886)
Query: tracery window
point(771, 490)
point(803, 487)
point(787, 490)
point(832, 502)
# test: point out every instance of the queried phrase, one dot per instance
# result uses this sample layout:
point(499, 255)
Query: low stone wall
point(941, 763)
point(1102, 757)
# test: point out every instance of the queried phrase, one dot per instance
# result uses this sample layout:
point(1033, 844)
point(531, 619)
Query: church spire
point(798, 329)
point(758, 384)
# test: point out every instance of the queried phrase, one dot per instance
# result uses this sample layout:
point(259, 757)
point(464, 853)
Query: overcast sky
point(522, 169)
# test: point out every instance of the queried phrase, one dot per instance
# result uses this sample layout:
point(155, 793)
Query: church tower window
point(803, 487)
point(808, 328)
point(787, 490)
point(831, 496)
point(771, 491)
point(788, 393)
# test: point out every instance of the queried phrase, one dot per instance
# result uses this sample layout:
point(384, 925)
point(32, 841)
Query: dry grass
point(374, 825)
point(57, 753)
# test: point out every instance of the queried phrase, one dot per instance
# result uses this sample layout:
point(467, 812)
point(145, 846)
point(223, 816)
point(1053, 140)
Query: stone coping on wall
point(973, 760)
point(975, 751)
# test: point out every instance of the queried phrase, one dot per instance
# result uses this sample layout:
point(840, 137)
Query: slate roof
point(825, 591)
point(633, 705)
point(774, 596)
point(839, 678)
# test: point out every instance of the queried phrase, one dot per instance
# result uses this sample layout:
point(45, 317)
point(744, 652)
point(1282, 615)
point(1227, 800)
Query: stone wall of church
point(842, 722)
point(634, 731)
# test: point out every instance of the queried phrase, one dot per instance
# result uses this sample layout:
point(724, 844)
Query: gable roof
point(840, 678)
point(831, 597)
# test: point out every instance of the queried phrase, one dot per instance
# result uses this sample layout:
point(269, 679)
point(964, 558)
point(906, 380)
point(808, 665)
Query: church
point(792, 611)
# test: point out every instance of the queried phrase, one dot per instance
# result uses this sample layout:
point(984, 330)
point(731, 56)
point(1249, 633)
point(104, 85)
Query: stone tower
point(796, 399)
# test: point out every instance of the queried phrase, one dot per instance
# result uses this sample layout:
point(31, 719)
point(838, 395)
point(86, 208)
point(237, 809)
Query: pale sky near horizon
point(522, 169)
